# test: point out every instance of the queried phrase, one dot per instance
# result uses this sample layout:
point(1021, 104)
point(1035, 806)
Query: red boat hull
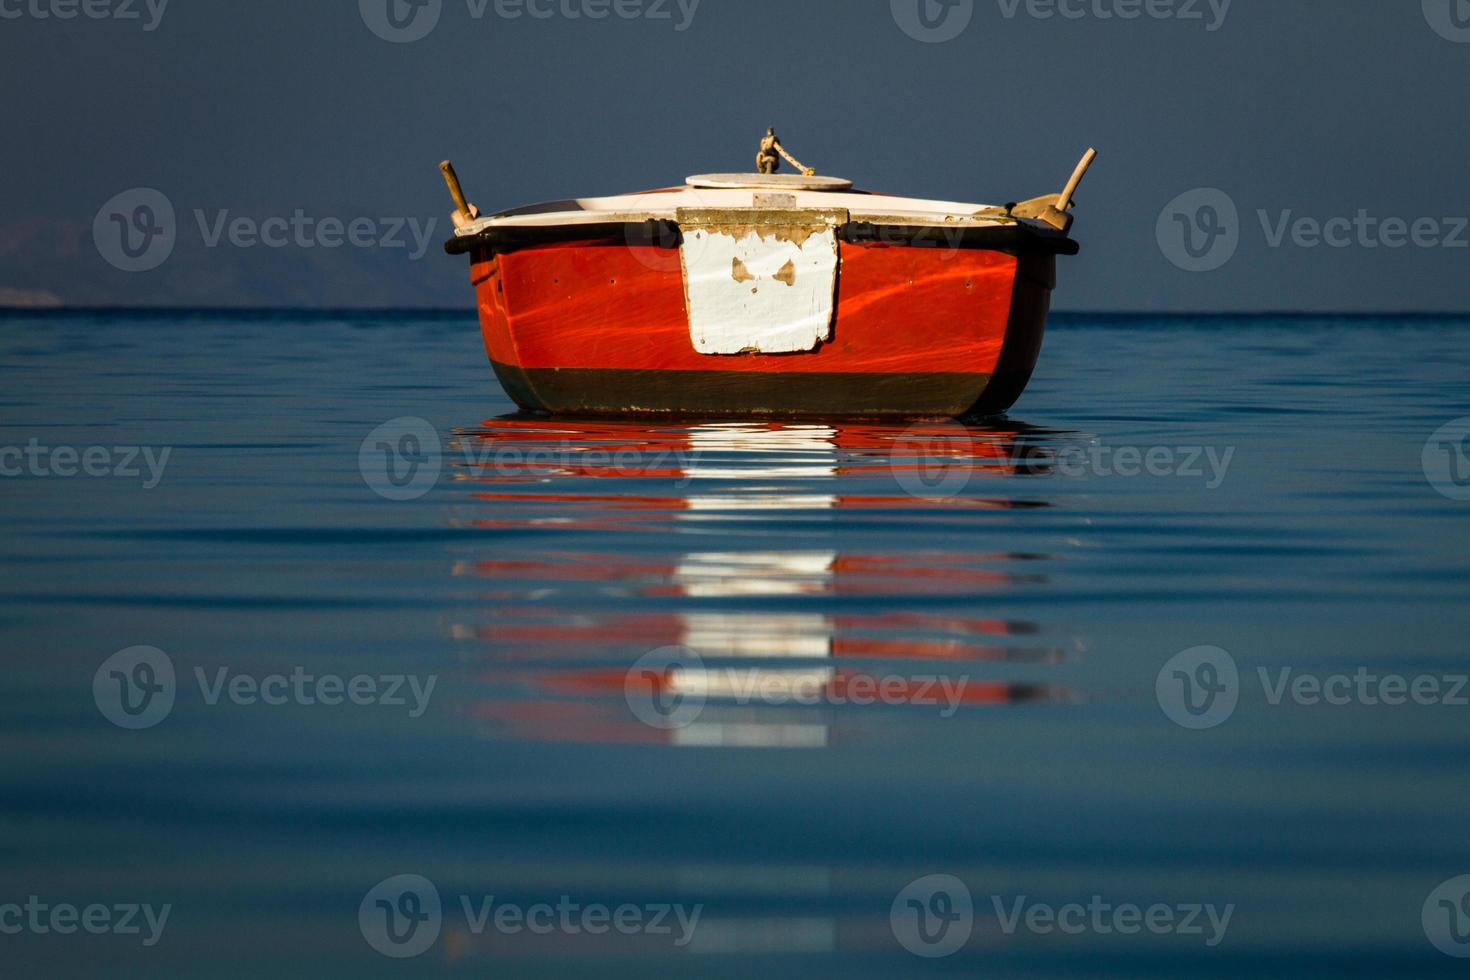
point(600, 327)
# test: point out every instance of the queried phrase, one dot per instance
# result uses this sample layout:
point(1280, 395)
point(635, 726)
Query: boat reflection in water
point(805, 575)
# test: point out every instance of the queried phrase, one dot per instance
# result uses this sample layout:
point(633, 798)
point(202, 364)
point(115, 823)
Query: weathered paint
point(755, 293)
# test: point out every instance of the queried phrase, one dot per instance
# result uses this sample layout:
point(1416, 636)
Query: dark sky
point(1293, 108)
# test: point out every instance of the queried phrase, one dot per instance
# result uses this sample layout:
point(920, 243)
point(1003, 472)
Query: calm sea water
point(879, 654)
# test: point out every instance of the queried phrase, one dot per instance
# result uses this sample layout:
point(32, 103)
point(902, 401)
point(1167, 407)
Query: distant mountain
point(56, 261)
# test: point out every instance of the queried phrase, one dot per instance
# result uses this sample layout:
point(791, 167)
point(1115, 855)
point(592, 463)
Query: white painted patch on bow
point(749, 291)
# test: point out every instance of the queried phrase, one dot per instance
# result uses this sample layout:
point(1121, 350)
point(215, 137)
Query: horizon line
point(322, 312)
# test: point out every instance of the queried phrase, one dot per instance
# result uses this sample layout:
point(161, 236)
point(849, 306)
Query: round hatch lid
point(768, 182)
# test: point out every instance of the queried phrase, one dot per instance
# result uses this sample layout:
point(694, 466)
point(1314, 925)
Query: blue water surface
point(698, 667)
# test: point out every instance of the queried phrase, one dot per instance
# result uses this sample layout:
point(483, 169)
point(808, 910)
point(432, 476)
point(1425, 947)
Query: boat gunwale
point(1012, 235)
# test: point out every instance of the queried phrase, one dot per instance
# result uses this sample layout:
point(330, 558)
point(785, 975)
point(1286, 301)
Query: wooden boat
point(765, 295)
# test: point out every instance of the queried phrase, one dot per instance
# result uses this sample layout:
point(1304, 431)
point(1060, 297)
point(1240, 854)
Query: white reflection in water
point(740, 735)
point(723, 451)
point(760, 501)
point(759, 635)
point(722, 574)
point(745, 451)
point(802, 637)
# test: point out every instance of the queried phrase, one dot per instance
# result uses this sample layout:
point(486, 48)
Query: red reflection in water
point(536, 639)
